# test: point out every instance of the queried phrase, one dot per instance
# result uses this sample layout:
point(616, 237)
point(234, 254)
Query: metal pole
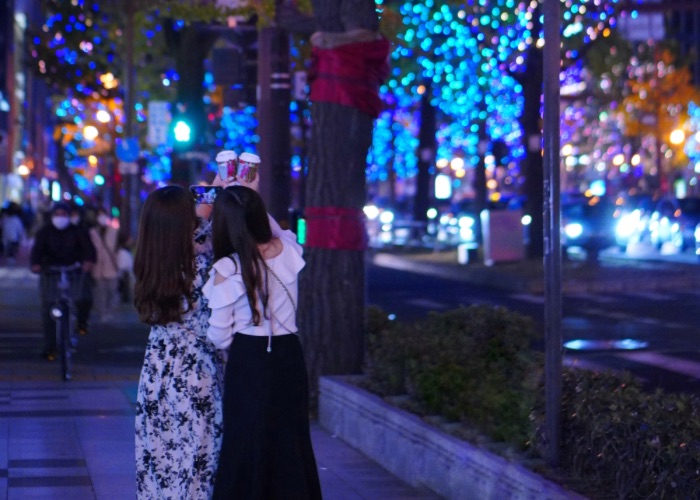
point(273, 120)
point(552, 240)
point(131, 199)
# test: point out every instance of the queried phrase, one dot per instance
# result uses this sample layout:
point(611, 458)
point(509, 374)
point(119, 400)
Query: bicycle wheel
point(65, 343)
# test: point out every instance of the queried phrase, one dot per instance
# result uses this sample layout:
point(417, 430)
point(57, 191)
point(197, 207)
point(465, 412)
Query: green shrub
point(475, 365)
point(471, 364)
point(630, 443)
point(385, 357)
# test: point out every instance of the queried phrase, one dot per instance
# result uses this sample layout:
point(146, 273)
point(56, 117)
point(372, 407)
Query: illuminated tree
point(692, 148)
point(657, 104)
point(483, 61)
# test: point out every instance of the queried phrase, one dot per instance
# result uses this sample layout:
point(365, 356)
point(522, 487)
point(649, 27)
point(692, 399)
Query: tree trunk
point(426, 155)
point(532, 165)
point(332, 287)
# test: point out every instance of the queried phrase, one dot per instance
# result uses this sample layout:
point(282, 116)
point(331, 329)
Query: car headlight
point(371, 211)
point(573, 230)
point(626, 226)
point(386, 217)
point(466, 233)
point(466, 221)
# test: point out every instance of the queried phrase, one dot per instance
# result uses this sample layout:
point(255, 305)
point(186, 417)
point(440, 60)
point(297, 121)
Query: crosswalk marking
point(593, 297)
point(427, 303)
point(655, 296)
point(526, 297)
point(670, 363)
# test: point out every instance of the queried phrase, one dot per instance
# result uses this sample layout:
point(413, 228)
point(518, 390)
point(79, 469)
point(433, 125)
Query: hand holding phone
point(205, 194)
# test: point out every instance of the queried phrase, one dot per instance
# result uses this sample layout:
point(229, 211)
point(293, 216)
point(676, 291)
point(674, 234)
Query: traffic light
point(182, 131)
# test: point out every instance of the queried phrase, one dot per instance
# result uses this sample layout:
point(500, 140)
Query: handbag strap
point(274, 274)
point(269, 339)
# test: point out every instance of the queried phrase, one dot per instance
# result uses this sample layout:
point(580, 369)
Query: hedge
point(476, 366)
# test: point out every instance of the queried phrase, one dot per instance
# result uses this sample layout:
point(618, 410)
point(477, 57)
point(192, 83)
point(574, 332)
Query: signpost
point(158, 123)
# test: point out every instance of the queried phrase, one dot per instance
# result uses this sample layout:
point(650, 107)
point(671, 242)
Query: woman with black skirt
point(252, 292)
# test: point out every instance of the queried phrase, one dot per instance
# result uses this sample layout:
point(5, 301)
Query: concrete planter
point(422, 455)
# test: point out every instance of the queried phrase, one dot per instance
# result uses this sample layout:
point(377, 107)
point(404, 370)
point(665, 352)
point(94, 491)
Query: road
point(666, 321)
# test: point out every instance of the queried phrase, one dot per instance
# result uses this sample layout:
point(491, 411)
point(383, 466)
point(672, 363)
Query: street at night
point(203, 205)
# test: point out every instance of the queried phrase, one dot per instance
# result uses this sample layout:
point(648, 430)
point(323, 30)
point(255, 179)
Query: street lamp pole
point(131, 199)
point(273, 119)
point(552, 240)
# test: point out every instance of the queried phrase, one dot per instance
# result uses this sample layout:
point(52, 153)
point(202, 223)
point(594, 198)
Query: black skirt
point(266, 452)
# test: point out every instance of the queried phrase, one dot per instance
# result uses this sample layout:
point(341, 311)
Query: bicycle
point(64, 287)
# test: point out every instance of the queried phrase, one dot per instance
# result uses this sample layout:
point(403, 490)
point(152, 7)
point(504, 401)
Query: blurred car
point(675, 221)
point(633, 213)
point(390, 227)
point(587, 223)
point(458, 225)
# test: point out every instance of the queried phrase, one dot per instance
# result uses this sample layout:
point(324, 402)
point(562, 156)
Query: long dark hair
point(239, 225)
point(164, 259)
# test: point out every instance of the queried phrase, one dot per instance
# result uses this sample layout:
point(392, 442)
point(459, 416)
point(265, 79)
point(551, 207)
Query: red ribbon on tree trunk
point(350, 75)
point(335, 228)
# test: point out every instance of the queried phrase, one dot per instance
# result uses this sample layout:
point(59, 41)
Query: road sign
point(158, 122)
point(128, 149)
point(128, 167)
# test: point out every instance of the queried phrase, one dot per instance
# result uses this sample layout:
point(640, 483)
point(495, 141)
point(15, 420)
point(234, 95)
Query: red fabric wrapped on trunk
point(350, 75)
point(335, 228)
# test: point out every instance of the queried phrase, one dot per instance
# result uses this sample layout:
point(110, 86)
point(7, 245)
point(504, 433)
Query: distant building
point(26, 144)
point(684, 26)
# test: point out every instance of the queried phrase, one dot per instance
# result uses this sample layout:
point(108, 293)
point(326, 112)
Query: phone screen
point(205, 194)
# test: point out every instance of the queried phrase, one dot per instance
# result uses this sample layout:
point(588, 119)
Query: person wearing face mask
point(58, 243)
point(105, 272)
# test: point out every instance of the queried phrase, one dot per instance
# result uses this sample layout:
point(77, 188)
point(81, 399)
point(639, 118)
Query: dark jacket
point(53, 247)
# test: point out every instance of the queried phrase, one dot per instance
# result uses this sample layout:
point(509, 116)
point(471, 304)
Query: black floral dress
point(178, 409)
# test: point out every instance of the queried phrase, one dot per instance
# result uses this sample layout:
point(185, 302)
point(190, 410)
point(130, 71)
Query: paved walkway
point(75, 440)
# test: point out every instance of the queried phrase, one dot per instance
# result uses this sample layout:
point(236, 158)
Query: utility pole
point(129, 219)
point(552, 240)
point(273, 120)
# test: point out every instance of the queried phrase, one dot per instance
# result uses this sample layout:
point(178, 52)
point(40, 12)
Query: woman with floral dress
point(178, 409)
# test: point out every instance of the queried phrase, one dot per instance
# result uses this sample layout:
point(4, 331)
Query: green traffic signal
point(182, 131)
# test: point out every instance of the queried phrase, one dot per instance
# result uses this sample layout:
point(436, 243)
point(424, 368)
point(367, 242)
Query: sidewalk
point(75, 440)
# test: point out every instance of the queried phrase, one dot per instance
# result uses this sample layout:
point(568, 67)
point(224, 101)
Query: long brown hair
point(164, 259)
point(239, 225)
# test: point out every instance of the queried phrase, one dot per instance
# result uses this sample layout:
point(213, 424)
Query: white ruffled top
point(230, 312)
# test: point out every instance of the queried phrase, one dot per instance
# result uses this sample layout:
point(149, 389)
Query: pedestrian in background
point(58, 243)
point(12, 232)
point(252, 291)
point(125, 263)
point(178, 408)
point(106, 270)
point(83, 302)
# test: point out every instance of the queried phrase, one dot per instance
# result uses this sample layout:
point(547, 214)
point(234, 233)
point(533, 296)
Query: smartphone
point(205, 194)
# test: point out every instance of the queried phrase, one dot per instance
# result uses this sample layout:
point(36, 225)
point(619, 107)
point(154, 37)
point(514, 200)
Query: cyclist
point(58, 243)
